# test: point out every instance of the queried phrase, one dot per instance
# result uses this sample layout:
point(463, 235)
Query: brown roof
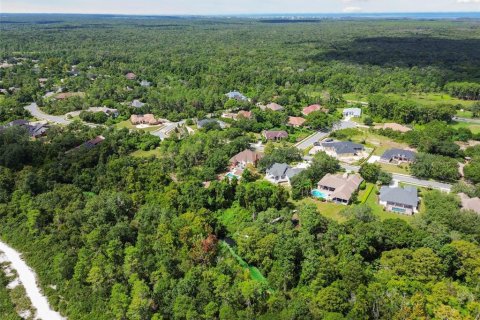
point(244, 114)
point(470, 203)
point(66, 95)
point(296, 121)
point(344, 185)
point(274, 106)
point(131, 76)
point(144, 119)
point(394, 127)
point(246, 156)
point(269, 135)
point(314, 107)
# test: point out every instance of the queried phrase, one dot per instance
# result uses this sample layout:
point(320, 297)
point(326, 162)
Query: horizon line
point(245, 14)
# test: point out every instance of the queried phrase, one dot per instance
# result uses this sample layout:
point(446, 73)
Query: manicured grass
point(464, 114)
point(146, 154)
point(475, 128)
point(421, 98)
point(328, 209)
point(403, 169)
point(127, 124)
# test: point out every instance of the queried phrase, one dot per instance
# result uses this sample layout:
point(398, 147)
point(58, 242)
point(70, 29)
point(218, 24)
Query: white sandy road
point(27, 278)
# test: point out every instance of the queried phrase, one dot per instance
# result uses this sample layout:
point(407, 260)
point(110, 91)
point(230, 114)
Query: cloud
point(352, 9)
point(468, 1)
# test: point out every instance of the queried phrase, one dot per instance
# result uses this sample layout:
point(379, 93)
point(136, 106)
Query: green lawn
point(403, 169)
point(378, 142)
point(475, 128)
point(421, 98)
point(327, 209)
point(465, 114)
point(146, 154)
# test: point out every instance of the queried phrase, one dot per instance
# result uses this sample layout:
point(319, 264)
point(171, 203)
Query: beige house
point(339, 188)
point(144, 119)
point(245, 158)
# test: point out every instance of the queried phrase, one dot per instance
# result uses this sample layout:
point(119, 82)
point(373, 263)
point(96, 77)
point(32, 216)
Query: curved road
point(28, 279)
point(39, 114)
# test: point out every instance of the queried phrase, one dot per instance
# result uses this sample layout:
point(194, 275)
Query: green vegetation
point(133, 227)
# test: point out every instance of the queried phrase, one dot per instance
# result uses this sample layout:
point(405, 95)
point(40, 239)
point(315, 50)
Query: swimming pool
point(231, 175)
point(319, 194)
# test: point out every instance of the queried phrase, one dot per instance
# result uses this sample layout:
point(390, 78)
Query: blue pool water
point(230, 175)
point(318, 194)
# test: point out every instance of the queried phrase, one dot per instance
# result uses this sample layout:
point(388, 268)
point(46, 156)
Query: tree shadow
point(459, 56)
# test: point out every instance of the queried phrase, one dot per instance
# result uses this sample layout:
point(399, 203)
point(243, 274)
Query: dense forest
point(116, 236)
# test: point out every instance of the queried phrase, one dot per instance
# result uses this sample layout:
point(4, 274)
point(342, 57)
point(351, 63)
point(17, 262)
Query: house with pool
point(399, 200)
point(338, 188)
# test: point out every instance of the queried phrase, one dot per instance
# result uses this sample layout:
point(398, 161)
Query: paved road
point(39, 114)
point(309, 141)
point(467, 120)
point(422, 183)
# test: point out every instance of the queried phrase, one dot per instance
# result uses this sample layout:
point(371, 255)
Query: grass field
point(403, 169)
point(475, 128)
point(378, 142)
point(146, 154)
point(421, 98)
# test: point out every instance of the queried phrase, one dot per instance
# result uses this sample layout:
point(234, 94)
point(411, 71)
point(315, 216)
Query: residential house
point(245, 158)
point(275, 135)
point(236, 95)
point(108, 111)
point(35, 129)
point(93, 142)
point(131, 76)
point(296, 121)
point(468, 203)
point(314, 107)
point(399, 200)
point(202, 123)
point(398, 156)
point(144, 119)
point(273, 106)
point(237, 116)
point(352, 112)
point(339, 187)
point(393, 126)
point(137, 103)
point(281, 173)
point(339, 149)
point(244, 114)
point(145, 83)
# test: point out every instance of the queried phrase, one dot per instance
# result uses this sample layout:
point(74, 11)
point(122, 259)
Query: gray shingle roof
point(391, 153)
point(406, 196)
point(278, 169)
point(344, 147)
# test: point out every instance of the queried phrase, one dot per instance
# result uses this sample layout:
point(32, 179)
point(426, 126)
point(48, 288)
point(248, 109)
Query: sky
point(210, 7)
